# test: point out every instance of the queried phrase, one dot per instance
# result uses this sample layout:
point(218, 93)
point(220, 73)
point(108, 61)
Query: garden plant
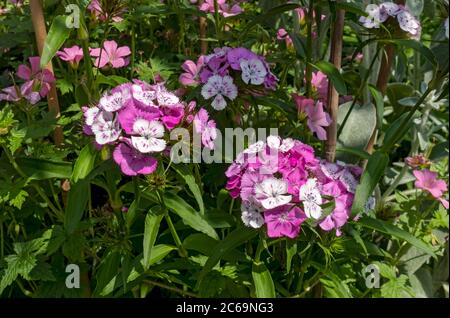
point(224, 148)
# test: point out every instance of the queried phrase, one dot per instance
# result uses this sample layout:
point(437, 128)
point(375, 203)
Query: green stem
point(181, 250)
point(217, 22)
point(308, 71)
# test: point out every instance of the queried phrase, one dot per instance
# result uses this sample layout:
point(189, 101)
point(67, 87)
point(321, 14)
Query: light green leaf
point(387, 228)
point(372, 174)
point(186, 173)
point(152, 222)
point(85, 163)
point(56, 37)
point(264, 287)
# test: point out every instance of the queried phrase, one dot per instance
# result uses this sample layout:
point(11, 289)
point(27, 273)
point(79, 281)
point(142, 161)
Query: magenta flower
point(302, 103)
point(111, 54)
point(97, 10)
point(205, 127)
point(317, 119)
point(132, 162)
point(192, 72)
point(284, 221)
point(225, 9)
point(320, 82)
point(73, 55)
point(9, 94)
point(427, 180)
point(38, 81)
point(283, 35)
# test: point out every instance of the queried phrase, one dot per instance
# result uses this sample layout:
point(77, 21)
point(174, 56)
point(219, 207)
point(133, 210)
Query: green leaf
point(56, 37)
point(108, 268)
point(358, 128)
point(40, 169)
point(264, 287)
point(291, 250)
point(387, 228)
point(152, 222)
point(188, 214)
point(76, 204)
point(261, 18)
point(233, 240)
point(85, 163)
point(369, 179)
point(159, 252)
point(419, 47)
point(379, 104)
point(188, 176)
point(333, 74)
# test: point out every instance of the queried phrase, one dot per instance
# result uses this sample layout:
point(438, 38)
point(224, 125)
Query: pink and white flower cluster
point(134, 118)
point(378, 14)
point(282, 183)
point(221, 72)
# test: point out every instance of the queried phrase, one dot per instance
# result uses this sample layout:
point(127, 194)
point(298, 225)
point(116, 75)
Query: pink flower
point(205, 127)
point(72, 55)
point(9, 94)
point(283, 35)
point(97, 10)
point(427, 180)
point(340, 214)
point(302, 103)
point(317, 119)
point(417, 161)
point(225, 9)
point(132, 162)
point(192, 72)
point(320, 82)
point(284, 221)
point(38, 81)
point(111, 54)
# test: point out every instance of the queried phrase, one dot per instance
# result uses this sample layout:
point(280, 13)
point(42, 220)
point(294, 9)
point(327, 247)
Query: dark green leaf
point(56, 37)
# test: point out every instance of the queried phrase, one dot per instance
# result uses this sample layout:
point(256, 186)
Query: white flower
point(409, 23)
point(251, 214)
point(271, 193)
point(90, 115)
point(166, 98)
point(310, 195)
point(348, 180)
point(287, 145)
point(446, 27)
point(388, 9)
point(253, 71)
point(112, 103)
point(106, 128)
point(150, 132)
point(255, 148)
point(145, 97)
point(374, 17)
point(274, 142)
point(219, 87)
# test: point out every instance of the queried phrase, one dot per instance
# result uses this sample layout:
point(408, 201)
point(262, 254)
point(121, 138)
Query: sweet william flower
point(252, 214)
point(105, 127)
point(427, 180)
point(73, 55)
point(150, 134)
point(253, 71)
point(205, 127)
point(192, 70)
point(111, 54)
point(218, 87)
point(132, 162)
point(311, 198)
point(272, 193)
point(284, 221)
